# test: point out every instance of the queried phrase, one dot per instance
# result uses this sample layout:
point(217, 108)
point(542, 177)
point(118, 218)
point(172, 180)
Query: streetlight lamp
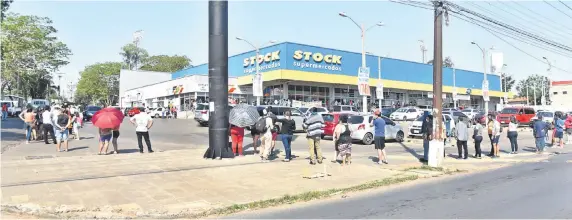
point(485, 81)
point(258, 76)
point(549, 81)
point(423, 50)
point(363, 64)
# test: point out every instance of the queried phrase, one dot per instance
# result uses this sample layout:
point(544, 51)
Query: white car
point(157, 112)
point(344, 108)
point(406, 114)
point(547, 116)
point(202, 114)
point(415, 126)
point(363, 131)
point(470, 112)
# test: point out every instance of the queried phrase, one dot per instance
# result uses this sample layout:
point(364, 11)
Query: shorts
point(495, 139)
point(379, 142)
point(115, 134)
point(61, 135)
point(105, 138)
point(559, 134)
point(274, 136)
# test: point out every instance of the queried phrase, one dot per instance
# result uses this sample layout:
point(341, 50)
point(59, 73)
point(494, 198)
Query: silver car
point(363, 131)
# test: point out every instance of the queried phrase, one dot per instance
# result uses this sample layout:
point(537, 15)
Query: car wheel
point(323, 136)
point(404, 118)
point(400, 136)
point(367, 139)
point(156, 115)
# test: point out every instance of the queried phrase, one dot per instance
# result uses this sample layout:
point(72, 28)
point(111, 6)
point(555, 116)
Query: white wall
point(129, 79)
point(561, 101)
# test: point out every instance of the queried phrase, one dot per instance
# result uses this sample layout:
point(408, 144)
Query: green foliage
point(507, 82)
point(447, 62)
point(4, 5)
point(533, 83)
point(164, 63)
point(133, 56)
point(99, 84)
point(30, 52)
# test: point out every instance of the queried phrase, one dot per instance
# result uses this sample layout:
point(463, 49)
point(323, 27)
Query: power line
point(540, 15)
point(558, 9)
point(410, 4)
point(565, 5)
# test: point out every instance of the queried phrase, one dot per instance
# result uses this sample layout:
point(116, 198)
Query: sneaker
point(285, 160)
point(312, 163)
point(27, 142)
point(140, 151)
point(385, 162)
point(150, 151)
point(319, 161)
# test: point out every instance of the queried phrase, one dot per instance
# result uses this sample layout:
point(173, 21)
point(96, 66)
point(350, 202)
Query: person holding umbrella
point(107, 120)
point(237, 136)
point(240, 117)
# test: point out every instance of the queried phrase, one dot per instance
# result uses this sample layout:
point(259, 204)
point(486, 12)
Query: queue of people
point(51, 123)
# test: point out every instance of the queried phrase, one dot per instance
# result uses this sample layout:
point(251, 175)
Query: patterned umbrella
point(243, 115)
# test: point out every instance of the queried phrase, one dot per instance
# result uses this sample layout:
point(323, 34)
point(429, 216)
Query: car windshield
point(93, 108)
point(545, 114)
point(320, 109)
point(509, 111)
point(328, 117)
point(8, 104)
point(402, 110)
point(385, 111)
point(303, 109)
point(356, 119)
point(202, 107)
point(337, 108)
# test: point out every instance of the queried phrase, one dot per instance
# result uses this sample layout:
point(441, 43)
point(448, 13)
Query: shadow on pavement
point(77, 148)
point(410, 150)
point(13, 136)
point(12, 123)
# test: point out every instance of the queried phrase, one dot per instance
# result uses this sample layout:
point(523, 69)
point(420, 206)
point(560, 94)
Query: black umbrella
point(243, 115)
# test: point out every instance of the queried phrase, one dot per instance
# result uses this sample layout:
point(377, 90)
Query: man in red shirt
point(4, 111)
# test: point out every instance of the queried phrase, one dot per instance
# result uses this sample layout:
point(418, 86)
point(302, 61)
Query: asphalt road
point(526, 191)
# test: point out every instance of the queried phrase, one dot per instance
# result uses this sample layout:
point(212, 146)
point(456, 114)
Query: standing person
point(559, 129)
point(72, 122)
point(274, 129)
point(462, 134)
point(48, 125)
point(343, 140)
point(237, 136)
point(427, 131)
point(512, 135)
point(497, 129)
point(314, 126)
point(29, 119)
point(478, 138)
point(62, 133)
point(286, 133)
point(538, 129)
point(104, 139)
point(568, 125)
point(266, 136)
point(379, 137)
point(4, 111)
point(142, 122)
point(114, 137)
point(490, 126)
point(77, 123)
point(255, 137)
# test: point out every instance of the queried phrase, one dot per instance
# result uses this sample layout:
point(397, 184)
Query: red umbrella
point(107, 118)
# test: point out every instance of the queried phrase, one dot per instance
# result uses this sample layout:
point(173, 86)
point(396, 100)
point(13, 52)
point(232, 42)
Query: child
point(104, 139)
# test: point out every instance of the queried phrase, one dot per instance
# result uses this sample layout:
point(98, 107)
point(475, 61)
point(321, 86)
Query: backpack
point(260, 125)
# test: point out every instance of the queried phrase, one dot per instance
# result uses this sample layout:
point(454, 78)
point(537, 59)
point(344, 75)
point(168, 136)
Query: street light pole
point(423, 50)
point(257, 65)
point(363, 64)
point(455, 88)
point(549, 76)
point(484, 76)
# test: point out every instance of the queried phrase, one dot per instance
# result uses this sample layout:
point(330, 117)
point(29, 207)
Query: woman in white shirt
point(512, 135)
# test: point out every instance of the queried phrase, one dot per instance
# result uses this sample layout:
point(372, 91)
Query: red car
point(330, 122)
point(135, 111)
point(522, 114)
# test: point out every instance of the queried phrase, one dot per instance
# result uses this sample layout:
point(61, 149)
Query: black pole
point(438, 68)
point(218, 81)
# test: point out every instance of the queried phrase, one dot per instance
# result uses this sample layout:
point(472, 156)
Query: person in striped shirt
point(314, 126)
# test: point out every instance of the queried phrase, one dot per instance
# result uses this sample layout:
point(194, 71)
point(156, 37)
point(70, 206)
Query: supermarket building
point(308, 74)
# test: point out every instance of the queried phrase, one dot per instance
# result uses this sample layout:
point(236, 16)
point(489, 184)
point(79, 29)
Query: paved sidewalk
point(180, 182)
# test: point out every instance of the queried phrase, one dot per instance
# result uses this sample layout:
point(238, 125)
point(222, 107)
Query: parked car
point(319, 110)
point(298, 117)
point(523, 114)
point(480, 118)
point(547, 116)
point(136, 110)
point(157, 113)
point(406, 113)
point(303, 109)
point(387, 111)
point(330, 121)
point(89, 111)
point(202, 113)
point(470, 112)
point(450, 109)
point(363, 131)
point(13, 109)
point(344, 108)
point(456, 115)
point(415, 127)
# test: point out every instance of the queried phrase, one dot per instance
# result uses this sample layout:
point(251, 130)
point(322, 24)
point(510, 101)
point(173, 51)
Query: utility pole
point(218, 81)
point(549, 80)
point(423, 50)
point(438, 68)
point(527, 97)
point(60, 84)
point(455, 92)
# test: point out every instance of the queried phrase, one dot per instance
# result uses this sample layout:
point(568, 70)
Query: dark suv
point(89, 111)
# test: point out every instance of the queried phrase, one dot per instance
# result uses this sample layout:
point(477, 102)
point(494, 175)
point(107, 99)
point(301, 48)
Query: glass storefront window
point(309, 94)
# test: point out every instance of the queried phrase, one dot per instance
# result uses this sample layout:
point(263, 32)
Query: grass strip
point(303, 197)
point(425, 167)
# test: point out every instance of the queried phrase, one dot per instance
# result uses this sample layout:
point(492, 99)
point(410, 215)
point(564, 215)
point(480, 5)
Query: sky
point(96, 30)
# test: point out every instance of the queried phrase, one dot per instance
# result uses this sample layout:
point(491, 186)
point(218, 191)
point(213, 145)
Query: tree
point(99, 84)
point(534, 83)
point(30, 52)
point(133, 56)
point(164, 63)
point(447, 62)
point(507, 82)
point(4, 5)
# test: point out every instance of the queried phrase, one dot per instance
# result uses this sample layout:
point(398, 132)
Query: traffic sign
point(363, 81)
point(379, 90)
point(486, 90)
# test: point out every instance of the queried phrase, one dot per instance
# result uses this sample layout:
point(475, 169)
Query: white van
point(39, 102)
